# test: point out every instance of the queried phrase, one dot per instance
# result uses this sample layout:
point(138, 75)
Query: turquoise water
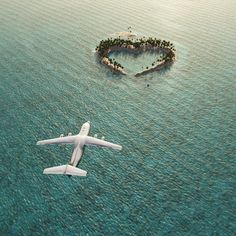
point(176, 172)
point(136, 61)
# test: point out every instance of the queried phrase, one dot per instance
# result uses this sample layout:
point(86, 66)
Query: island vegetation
point(106, 47)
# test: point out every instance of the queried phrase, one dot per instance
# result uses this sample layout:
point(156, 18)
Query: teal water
point(176, 172)
point(136, 61)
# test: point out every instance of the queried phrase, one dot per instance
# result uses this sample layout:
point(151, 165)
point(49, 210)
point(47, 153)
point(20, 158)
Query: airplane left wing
point(68, 139)
point(98, 142)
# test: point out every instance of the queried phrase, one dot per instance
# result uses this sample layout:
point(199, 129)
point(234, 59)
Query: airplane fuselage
point(79, 144)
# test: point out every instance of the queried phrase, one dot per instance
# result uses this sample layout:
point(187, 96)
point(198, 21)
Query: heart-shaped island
point(110, 45)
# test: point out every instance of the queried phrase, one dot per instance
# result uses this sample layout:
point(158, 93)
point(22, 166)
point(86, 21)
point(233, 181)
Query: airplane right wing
point(68, 139)
point(98, 142)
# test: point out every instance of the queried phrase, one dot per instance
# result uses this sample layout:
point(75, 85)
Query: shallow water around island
point(134, 62)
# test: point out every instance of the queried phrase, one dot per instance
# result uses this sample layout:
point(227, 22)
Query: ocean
point(176, 173)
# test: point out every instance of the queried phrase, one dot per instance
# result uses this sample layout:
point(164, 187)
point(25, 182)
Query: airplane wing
point(68, 139)
point(98, 142)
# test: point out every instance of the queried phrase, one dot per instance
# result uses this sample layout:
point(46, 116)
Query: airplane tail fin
point(65, 170)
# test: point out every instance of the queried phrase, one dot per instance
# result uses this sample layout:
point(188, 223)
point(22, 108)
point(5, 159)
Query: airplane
point(79, 141)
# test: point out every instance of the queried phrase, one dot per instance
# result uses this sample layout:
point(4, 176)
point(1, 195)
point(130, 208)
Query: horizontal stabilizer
point(65, 170)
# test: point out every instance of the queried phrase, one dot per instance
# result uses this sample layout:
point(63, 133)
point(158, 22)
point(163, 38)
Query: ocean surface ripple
point(176, 172)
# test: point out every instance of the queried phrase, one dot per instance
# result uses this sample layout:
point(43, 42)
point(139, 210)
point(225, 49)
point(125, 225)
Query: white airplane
point(79, 141)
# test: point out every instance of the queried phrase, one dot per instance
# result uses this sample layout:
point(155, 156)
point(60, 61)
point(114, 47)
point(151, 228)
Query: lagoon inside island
point(136, 45)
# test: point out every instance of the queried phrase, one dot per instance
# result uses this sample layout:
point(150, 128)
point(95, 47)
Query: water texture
point(176, 172)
